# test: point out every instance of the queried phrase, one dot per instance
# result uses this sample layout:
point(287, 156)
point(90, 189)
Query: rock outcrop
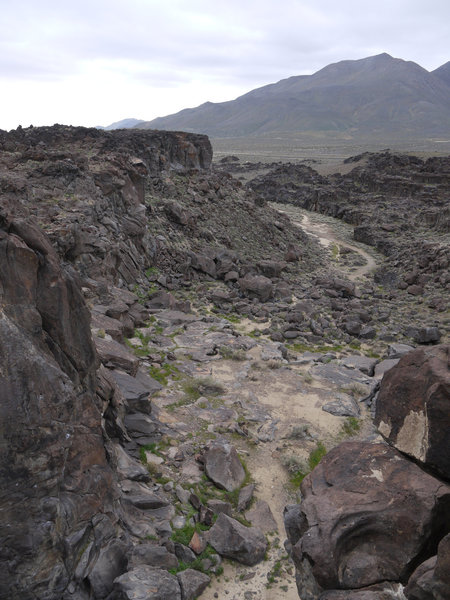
point(368, 516)
point(413, 407)
point(57, 488)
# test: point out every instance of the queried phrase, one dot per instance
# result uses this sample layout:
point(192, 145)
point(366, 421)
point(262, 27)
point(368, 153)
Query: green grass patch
point(316, 455)
point(351, 427)
point(208, 553)
point(162, 373)
point(298, 469)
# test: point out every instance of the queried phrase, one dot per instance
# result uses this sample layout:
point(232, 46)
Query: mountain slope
point(123, 124)
point(375, 95)
point(443, 73)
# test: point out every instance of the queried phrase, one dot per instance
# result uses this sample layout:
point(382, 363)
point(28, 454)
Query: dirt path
point(280, 407)
point(329, 233)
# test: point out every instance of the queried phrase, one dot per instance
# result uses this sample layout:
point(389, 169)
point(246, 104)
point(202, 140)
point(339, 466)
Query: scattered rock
point(261, 516)
point(257, 286)
point(342, 406)
point(154, 556)
point(245, 497)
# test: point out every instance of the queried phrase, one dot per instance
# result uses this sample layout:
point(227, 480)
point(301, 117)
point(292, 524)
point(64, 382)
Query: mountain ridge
point(370, 96)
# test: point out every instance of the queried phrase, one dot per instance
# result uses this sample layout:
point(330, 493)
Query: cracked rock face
point(55, 476)
point(412, 411)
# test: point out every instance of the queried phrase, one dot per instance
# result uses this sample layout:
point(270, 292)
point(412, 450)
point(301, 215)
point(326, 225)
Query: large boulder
point(367, 516)
point(431, 580)
point(257, 286)
point(146, 583)
point(413, 407)
point(229, 538)
point(223, 467)
point(192, 583)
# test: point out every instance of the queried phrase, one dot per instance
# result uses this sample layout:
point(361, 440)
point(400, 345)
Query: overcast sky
point(92, 62)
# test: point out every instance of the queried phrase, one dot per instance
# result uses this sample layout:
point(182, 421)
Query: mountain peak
point(378, 95)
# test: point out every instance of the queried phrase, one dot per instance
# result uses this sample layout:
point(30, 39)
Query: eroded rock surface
point(56, 480)
point(413, 407)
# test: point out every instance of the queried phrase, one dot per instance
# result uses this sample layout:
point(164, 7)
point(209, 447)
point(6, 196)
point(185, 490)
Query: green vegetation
point(299, 347)
point(144, 293)
point(335, 251)
point(316, 455)
point(298, 469)
point(274, 572)
point(195, 387)
point(151, 272)
point(232, 317)
point(229, 353)
point(351, 427)
point(184, 535)
point(162, 373)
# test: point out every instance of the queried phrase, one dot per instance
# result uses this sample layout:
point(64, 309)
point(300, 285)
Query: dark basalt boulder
point(413, 407)
point(431, 580)
point(256, 286)
point(146, 583)
point(368, 515)
point(229, 538)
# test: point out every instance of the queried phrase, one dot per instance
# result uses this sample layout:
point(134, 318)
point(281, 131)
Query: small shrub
point(316, 455)
point(298, 469)
point(299, 432)
point(194, 387)
point(228, 353)
point(162, 373)
point(351, 427)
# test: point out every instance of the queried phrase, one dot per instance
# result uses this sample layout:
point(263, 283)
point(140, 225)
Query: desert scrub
point(351, 427)
point(162, 373)
point(356, 390)
point(299, 469)
point(300, 432)
point(307, 377)
point(229, 353)
point(195, 387)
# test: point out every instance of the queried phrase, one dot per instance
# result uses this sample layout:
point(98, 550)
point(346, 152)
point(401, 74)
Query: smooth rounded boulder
point(366, 515)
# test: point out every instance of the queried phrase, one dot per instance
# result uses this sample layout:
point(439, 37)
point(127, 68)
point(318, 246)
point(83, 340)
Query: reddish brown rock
point(366, 516)
point(413, 407)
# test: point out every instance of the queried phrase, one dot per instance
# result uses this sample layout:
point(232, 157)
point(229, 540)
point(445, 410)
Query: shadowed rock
point(192, 583)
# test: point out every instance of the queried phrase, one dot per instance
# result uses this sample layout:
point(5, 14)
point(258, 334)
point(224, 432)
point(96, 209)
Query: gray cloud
point(240, 44)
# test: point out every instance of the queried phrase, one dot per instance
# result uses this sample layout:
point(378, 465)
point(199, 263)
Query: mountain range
point(379, 95)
